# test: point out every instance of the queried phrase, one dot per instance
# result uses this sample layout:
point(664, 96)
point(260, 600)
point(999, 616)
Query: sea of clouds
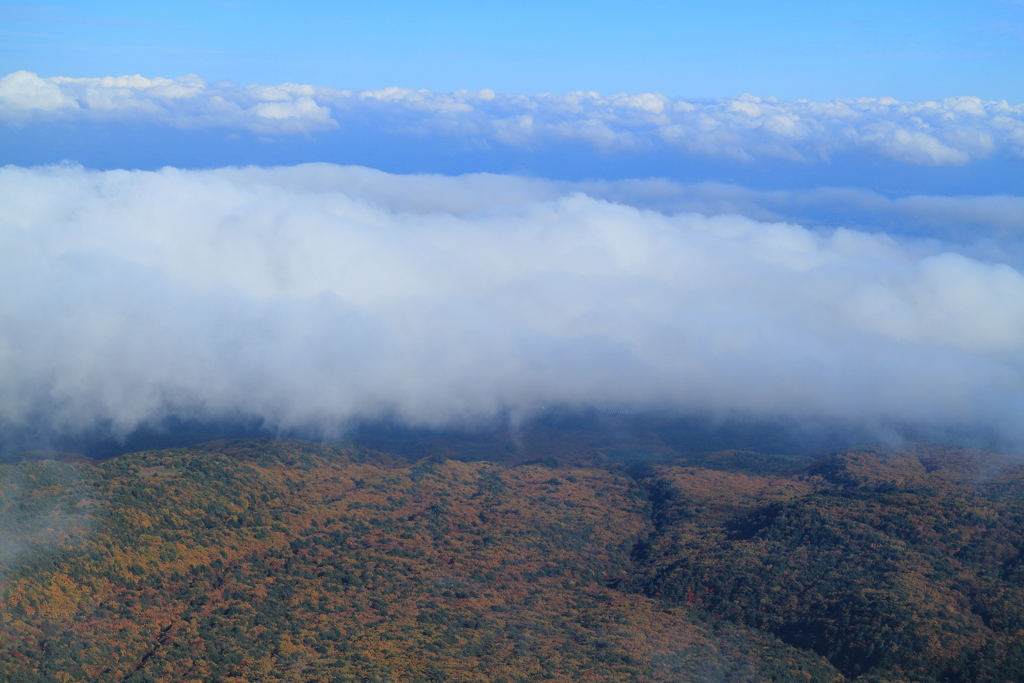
point(318, 294)
point(949, 132)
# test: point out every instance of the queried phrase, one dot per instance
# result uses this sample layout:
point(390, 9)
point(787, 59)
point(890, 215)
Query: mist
point(317, 296)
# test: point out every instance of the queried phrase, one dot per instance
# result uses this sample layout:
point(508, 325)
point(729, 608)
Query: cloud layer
point(317, 294)
point(949, 132)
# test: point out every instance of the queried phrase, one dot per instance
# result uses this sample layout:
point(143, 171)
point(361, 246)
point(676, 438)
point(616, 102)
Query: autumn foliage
point(292, 561)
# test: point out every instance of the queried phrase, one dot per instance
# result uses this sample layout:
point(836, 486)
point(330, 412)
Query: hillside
point(894, 566)
point(295, 561)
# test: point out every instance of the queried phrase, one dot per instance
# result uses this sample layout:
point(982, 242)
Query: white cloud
point(185, 102)
point(318, 293)
point(953, 131)
point(23, 90)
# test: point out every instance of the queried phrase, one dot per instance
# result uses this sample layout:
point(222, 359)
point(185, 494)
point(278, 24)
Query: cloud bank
point(316, 295)
point(949, 132)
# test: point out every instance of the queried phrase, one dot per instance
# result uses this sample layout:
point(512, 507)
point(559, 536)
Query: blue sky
point(907, 50)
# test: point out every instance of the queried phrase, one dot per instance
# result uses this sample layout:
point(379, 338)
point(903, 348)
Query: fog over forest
point(317, 296)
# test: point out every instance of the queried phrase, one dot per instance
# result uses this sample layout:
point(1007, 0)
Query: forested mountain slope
point(895, 566)
point(294, 561)
point(301, 562)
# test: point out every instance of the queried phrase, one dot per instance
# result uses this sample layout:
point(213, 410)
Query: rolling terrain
point(286, 560)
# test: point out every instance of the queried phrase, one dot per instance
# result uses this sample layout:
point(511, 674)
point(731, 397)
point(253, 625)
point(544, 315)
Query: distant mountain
point(276, 560)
